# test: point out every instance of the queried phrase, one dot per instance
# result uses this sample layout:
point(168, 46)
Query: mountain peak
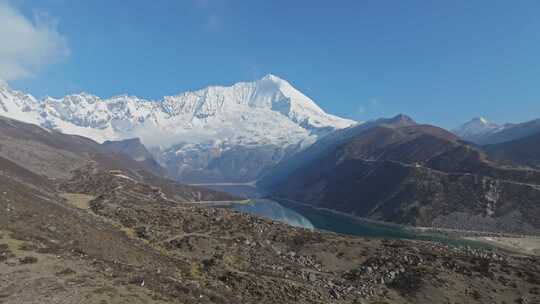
point(479, 122)
point(475, 127)
point(480, 119)
point(236, 113)
point(271, 77)
point(402, 118)
point(271, 81)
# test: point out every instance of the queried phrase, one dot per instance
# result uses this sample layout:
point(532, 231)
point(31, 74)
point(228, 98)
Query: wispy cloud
point(201, 3)
point(213, 19)
point(28, 44)
point(369, 108)
point(213, 22)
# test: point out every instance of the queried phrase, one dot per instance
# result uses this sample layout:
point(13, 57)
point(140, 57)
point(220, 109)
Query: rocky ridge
point(418, 175)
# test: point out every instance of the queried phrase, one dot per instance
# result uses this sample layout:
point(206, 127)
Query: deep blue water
point(308, 217)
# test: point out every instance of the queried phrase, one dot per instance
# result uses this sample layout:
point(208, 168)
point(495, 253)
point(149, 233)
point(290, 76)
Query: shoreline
point(514, 243)
point(219, 203)
point(340, 213)
point(246, 184)
point(528, 245)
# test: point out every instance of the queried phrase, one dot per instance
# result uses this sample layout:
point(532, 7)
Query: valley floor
point(127, 244)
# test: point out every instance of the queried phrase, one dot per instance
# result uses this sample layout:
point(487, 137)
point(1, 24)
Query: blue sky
point(441, 62)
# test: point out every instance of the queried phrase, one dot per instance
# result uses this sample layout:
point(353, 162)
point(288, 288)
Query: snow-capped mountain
point(476, 128)
point(198, 135)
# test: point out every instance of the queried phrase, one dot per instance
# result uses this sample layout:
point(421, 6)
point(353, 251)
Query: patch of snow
point(266, 111)
point(477, 127)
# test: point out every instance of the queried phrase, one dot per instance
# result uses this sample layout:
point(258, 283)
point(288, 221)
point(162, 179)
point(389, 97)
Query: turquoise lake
point(311, 218)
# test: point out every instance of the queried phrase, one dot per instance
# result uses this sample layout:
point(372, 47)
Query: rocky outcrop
point(137, 151)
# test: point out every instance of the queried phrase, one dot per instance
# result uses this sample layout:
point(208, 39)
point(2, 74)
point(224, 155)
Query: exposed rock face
point(138, 152)
point(131, 147)
point(418, 175)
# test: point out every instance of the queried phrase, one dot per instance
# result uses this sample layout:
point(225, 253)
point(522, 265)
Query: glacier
point(218, 133)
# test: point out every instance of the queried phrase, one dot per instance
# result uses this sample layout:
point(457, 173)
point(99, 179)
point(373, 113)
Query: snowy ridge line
point(266, 111)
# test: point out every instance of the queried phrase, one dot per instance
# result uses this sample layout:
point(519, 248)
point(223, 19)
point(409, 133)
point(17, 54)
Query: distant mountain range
point(213, 134)
point(477, 128)
point(77, 215)
point(398, 171)
point(482, 132)
point(512, 143)
point(479, 176)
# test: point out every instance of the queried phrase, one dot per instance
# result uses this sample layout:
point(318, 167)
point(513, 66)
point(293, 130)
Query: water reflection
point(307, 217)
point(275, 211)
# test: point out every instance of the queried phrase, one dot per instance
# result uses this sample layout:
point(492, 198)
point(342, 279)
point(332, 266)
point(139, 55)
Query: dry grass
point(78, 200)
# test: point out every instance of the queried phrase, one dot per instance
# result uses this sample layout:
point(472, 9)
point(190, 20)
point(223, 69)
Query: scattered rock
point(28, 260)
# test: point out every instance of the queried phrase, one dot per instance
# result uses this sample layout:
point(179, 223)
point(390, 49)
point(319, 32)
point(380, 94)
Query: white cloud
point(28, 45)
